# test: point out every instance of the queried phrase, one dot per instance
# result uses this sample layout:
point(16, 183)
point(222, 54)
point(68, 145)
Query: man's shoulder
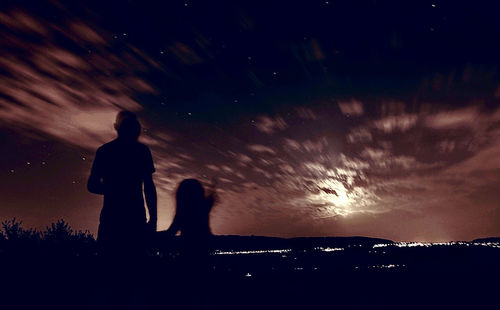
point(106, 146)
point(115, 145)
point(143, 147)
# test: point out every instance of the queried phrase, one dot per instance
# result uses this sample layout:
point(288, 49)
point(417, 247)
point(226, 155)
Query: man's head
point(127, 125)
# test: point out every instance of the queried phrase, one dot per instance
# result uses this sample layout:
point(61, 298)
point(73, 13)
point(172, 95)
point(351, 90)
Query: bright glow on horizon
point(429, 244)
point(252, 252)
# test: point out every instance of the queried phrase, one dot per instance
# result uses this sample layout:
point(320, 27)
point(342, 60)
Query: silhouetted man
point(120, 169)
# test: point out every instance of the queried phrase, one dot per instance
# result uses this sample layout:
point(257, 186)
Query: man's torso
point(123, 166)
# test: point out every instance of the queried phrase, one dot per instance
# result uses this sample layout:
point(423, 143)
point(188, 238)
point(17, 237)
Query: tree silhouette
point(18, 239)
point(59, 230)
point(58, 238)
point(14, 231)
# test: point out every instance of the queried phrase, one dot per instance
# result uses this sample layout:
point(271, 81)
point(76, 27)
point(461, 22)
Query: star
point(83, 158)
point(433, 5)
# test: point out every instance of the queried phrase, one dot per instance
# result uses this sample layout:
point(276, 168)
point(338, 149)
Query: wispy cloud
point(359, 135)
point(306, 113)
point(269, 125)
point(261, 149)
point(67, 94)
point(292, 144)
point(453, 119)
point(374, 154)
point(353, 107)
point(393, 123)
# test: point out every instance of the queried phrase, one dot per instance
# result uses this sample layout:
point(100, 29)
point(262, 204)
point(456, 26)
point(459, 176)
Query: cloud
point(185, 54)
point(227, 169)
point(384, 159)
point(306, 113)
point(359, 135)
point(263, 172)
point(72, 95)
point(22, 22)
point(374, 154)
point(86, 33)
point(353, 163)
point(244, 158)
point(453, 119)
point(261, 149)
point(335, 190)
point(393, 123)
point(352, 107)
point(269, 125)
point(213, 167)
point(446, 146)
point(265, 162)
point(392, 108)
point(317, 146)
point(486, 159)
point(290, 143)
point(287, 168)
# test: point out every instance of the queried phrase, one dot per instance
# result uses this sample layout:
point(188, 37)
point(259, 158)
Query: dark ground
point(358, 277)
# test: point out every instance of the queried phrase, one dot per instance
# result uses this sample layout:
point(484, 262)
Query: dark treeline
point(58, 238)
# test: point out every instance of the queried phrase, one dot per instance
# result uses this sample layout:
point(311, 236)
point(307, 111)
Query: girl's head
point(193, 208)
point(190, 192)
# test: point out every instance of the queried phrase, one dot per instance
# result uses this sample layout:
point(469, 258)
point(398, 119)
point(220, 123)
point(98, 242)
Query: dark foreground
point(350, 275)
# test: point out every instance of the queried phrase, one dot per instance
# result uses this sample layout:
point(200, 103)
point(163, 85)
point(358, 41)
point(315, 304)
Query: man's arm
point(150, 194)
point(95, 184)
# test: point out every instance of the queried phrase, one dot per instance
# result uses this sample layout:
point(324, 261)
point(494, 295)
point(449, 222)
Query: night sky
point(318, 118)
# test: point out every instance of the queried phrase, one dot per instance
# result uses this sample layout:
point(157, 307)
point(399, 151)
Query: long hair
point(193, 209)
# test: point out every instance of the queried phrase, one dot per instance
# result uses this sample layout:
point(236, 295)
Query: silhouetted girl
point(192, 220)
point(192, 216)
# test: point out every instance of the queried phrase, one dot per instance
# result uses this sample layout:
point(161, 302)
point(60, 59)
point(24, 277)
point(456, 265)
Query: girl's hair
point(191, 206)
point(189, 191)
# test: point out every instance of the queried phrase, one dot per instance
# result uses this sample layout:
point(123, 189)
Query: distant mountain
point(234, 242)
point(490, 239)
